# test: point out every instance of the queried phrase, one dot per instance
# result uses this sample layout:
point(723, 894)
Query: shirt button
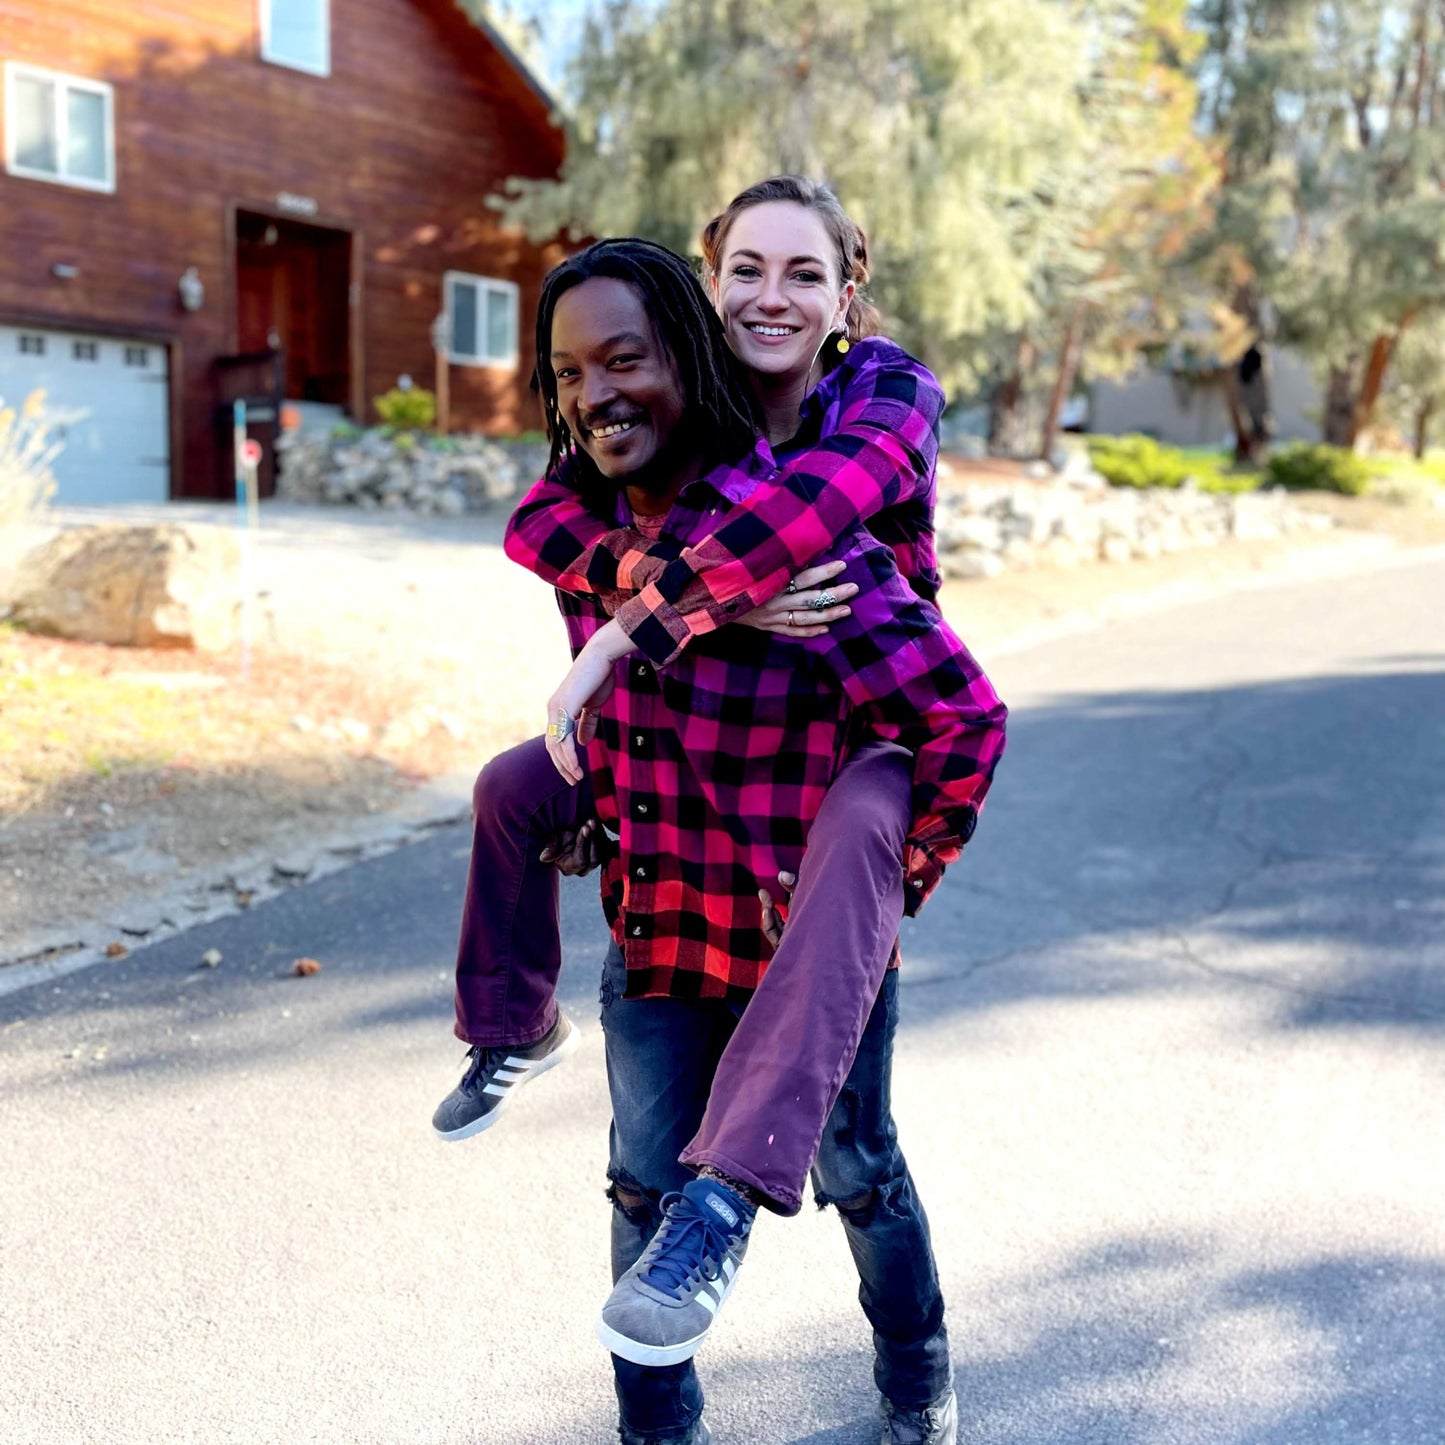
point(642, 669)
point(642, 872)
point(642, 807)
point(637, 931)
point(638, 739)
point(918, 883)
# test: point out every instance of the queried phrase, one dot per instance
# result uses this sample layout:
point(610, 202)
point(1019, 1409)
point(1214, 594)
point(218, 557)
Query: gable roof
point(533, 81)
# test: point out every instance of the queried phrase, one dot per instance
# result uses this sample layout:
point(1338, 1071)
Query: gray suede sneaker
point(493, 1077)
point(935, 1424)
point(659, 1311)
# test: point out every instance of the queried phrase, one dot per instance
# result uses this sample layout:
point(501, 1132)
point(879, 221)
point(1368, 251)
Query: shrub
point(26, 452)
point(1138, 461)
point(412, 410)
point(1307, 467)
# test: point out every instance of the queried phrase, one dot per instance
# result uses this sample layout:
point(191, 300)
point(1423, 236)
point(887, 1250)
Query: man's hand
point(772, 920)
point(577, 851)
point(806, 606)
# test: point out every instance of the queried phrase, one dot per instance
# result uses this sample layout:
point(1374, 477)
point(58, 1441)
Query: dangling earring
point(842, 343)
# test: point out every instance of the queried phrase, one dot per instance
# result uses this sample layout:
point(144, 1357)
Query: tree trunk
point(1423, 417)
point(1247, 391)
point(1382, 350)
point(1008, 412)
point(1064, 382)
point(1339, 416)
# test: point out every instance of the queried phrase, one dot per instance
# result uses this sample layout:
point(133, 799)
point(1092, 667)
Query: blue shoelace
point(689, 1240)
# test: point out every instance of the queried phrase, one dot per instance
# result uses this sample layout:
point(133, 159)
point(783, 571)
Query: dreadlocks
point(720, 409)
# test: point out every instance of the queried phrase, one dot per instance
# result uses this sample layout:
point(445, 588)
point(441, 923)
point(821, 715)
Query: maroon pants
point(782, 1071)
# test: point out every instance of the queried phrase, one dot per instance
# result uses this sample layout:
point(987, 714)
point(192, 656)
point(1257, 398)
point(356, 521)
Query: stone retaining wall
point(1045, 518)
point(432, 476)
point(985, 528)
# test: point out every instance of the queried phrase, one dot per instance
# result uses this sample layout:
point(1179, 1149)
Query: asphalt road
point(1171, 1079)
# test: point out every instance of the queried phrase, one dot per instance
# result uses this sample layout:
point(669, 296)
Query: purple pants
point(784, 1067)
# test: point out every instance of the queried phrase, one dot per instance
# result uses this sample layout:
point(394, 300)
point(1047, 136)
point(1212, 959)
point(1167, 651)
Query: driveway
point(1171, 1078)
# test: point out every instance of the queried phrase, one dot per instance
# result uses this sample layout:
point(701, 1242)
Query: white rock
point(972, 564)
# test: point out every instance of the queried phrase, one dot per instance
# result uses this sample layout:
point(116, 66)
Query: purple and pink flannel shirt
point(865, 452)
point(711, 769)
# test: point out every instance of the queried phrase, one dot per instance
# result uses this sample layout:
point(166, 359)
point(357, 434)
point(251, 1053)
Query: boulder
point(151, 586)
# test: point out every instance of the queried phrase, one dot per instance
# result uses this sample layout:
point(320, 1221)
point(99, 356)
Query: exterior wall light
point(192, 289)
point(64, 271)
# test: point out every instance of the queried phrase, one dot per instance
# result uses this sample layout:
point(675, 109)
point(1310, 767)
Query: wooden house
point(210, 199)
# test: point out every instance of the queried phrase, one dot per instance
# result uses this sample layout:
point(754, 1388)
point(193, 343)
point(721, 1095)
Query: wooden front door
point(292, 295)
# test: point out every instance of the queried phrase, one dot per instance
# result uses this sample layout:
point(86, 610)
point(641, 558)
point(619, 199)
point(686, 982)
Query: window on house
point(483, 316)
point(59, 128)
point(85, 350)
point(32, 346)
point(297, 33)
point(137, 356)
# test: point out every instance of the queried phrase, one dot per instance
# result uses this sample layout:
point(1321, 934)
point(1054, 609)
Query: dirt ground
point(386, 651)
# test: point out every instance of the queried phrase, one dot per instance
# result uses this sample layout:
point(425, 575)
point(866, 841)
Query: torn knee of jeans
point(630, 1200)
point(860, 1209)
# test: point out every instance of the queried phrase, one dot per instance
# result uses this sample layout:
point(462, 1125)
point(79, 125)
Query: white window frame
point(63, 84)
point(266, 55)
point(483, 285)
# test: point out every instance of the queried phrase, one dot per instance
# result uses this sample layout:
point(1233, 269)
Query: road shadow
point(1142, 1341)
point(1285, 836)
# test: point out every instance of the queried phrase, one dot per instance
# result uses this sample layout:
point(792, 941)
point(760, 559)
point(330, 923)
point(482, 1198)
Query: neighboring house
point(206, 199)
point(1187, 410)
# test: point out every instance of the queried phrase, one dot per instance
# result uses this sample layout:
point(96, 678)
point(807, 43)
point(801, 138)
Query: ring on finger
point(563, 727)
point(790, 617)
point(791, 587)
point(822, 601)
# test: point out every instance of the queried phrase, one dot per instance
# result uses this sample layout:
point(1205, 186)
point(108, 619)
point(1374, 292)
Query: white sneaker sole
point(467, 1131)
point(638, 1353)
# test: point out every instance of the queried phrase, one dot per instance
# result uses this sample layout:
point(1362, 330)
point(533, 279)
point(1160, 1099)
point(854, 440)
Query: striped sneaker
point(659, 1311)
point(493, 1076)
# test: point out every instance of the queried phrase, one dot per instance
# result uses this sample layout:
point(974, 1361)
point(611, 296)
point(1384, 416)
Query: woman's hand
point(806, 609)
point(772, 919)
point(572, 709)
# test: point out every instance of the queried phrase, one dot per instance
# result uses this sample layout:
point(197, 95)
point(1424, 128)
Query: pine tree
point(1331, 218)
point(935, 121)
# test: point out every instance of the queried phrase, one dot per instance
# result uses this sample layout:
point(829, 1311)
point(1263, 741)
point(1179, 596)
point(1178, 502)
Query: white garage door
point(117, 439)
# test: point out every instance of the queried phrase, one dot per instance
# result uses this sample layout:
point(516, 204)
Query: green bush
point(1306, 467)
point(412, 410)
point(1138, 461)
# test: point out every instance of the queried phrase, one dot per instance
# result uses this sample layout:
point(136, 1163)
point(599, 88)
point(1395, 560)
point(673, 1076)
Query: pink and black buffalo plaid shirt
point(712, 769)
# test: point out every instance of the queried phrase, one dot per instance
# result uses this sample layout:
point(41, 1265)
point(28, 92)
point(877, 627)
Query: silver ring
point(791, 587)
point(563, 728)
point(791, 623)
point(823, 600)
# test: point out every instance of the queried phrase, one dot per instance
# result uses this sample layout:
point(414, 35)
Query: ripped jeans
point(661, 1054)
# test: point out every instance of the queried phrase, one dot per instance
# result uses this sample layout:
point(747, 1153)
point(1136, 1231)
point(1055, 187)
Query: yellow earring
point(842, 342)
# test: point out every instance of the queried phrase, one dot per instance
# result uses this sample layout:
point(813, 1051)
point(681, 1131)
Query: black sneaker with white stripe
point(493, 1077)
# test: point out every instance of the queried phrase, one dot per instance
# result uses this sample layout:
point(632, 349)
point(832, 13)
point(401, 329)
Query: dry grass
point(74, 714)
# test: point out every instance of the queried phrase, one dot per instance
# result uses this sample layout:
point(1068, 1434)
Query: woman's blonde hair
point(849, 241)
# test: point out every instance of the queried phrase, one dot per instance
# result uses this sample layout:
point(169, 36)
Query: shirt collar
point(732, 481)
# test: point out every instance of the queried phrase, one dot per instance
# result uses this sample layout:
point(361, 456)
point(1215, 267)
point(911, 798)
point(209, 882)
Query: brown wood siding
point(418, 121)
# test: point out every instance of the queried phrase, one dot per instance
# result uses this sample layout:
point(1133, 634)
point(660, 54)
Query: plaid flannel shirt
point(865, 452)
point(712, 770)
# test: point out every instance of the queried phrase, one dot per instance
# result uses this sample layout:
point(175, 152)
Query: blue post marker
point(245, 509)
